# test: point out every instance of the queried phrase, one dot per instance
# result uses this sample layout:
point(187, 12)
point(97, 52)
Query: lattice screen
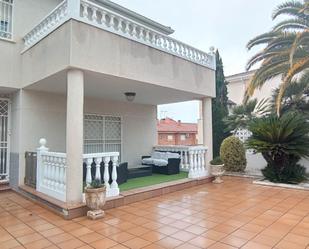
point(4, 111)
point(102, 133)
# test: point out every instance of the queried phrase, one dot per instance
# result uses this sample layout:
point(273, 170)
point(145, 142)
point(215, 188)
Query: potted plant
point(217, 169)
point(95, 195)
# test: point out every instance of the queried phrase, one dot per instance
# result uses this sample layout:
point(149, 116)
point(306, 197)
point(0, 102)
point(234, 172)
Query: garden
point(278, 126)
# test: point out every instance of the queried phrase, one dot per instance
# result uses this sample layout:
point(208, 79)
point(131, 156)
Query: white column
point(74, 135)
point(200, 124)
point(207, 130)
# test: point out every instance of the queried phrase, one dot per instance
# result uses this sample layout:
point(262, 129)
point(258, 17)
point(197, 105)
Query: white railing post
point(89, 162)
point(74, 8)
point(98, 161)
point(114, 186)
point(191, 164)
point(106, 174)
point(39, 171)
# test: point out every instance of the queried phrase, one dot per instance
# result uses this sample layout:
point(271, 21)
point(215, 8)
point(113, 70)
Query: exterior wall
point(26, 14)
point(190, 140)
point(237, 87)
point(43, 114)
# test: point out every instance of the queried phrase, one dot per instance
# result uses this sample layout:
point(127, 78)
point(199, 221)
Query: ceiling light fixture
point(130, 96)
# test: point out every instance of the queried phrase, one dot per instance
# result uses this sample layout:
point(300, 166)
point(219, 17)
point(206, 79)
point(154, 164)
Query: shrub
point(233, 154)
point(96, 184)
point(282, 141)
point(216, 161)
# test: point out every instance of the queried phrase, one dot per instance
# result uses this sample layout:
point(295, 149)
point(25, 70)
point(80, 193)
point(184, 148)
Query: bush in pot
point(217, 169)
point(95, 195)
point(282, 141)
point(233, 154)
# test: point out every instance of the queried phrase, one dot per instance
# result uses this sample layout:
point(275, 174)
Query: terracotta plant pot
point(217, 171)
point(95, 198)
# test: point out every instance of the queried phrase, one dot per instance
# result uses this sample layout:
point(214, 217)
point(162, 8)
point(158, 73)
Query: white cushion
point(160, 162)
point(147, 160)
point(172, 155)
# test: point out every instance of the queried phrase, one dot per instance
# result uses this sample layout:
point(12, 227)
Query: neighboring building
point(171, 132)
point(237, 84)
point(64, 70)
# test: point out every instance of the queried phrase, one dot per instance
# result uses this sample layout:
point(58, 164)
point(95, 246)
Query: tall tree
point(219, 107)
point(286, 50)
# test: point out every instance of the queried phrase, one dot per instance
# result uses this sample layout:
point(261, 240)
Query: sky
point(226, 25)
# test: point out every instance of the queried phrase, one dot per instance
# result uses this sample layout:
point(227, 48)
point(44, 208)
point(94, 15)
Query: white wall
point(43, 114)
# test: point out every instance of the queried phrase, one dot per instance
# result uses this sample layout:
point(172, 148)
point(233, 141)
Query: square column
point(207, 129)
point(74, 135)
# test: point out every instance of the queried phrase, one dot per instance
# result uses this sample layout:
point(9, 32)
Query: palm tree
point(286, 50)
point(242, 114)
point(295, 98)
point(282, 141)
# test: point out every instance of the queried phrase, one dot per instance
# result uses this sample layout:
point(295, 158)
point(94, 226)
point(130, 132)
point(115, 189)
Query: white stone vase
point(217, 171)
point(95, 198)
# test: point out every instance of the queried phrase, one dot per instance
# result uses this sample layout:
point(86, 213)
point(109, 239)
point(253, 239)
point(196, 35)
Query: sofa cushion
point(148, 160)
point(172, 155)
point(160, 162)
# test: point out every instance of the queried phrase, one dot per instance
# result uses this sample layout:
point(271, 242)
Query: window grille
point(6, 18)
point(102, 133)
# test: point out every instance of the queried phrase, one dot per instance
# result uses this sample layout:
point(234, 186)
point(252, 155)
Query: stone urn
point(217, 169)
point(95, 200)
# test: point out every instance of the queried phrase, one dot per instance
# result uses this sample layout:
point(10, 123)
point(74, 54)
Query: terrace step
point(4, 186)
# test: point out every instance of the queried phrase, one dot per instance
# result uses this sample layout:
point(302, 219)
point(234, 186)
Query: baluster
point(186, 159)
point(112, 22)
point(89, 161)
point(94, 15)
point(55, 173)
point(85, 10)
point(154, 39)
point(106, 173)
point(114, 185)
point(203, 162)
point(141, 33)
point(165, 43)
point(103, 19)
point(97, 161)
point(127, 28)
point(64, 174)
point(48, 166)
point(57, 178)
point(134, 32)
point(119, 26)
point(199, 162)
point(195, 162)
point(147, 36)
point(191, 165)
point(170, 45)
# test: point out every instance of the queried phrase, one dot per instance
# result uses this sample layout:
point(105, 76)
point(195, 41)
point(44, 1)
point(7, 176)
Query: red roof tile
point(170, 125)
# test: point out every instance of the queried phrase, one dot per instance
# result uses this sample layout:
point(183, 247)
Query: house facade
point(64, 70)
point(172, 132)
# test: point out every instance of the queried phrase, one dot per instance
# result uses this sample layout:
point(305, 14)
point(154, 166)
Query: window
point(6, 17)
point(102, 134)
point(183, 137)
point(169, 137)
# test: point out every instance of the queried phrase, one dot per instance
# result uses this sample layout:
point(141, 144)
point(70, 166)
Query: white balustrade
point(48, 24)
point(192, 158)
point(102, 161)
point(97, 15)
point(51, 171)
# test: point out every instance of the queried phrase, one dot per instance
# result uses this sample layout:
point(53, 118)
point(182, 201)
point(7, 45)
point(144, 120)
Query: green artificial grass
point(150, 180)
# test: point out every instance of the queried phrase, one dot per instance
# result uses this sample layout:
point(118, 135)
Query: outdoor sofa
point(163, 162)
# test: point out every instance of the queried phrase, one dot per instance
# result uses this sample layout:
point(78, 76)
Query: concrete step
point(4, 186)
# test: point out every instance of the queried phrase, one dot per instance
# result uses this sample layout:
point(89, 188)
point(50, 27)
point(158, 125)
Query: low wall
point(256, 162)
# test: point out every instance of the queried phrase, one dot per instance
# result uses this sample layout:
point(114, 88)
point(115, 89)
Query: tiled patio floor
point(236, 214)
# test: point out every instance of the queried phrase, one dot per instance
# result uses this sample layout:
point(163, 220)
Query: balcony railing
point(193, 158)
point(103, 18)
point(52, 170)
